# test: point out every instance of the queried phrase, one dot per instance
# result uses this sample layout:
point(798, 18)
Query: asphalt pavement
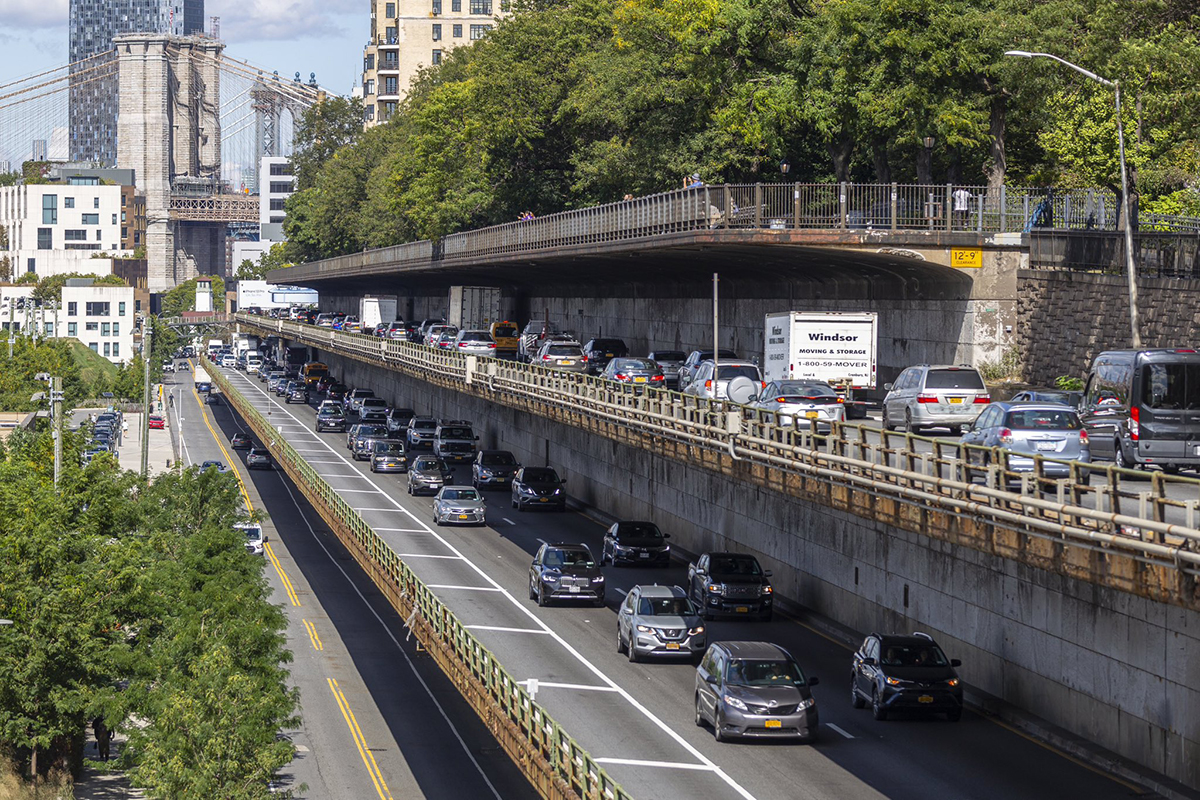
point(378, 718)
point(637, 719)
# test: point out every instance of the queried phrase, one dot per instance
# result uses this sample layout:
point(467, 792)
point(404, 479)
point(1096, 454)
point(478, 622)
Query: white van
point(254, 537)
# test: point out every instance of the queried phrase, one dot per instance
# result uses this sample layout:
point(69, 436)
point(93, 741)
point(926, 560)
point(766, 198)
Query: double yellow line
point(360, 741)
point(287, 582)
point(312, 635)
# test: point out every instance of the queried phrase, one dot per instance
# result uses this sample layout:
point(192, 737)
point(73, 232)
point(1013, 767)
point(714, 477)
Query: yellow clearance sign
point(966, 257)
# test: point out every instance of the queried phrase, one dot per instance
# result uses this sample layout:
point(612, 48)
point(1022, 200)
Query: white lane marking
point(461, 588)
point(578, 656)
point(839, 730)
point(634, 762)
point(453, 729)
point(388, 510)
point(509, 521)
point(506, 630)
point(400, 530)
point(583, 687)
point(361, 491)
point(426, 555)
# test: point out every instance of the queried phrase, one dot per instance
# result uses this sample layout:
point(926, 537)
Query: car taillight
point(926, 398)
point(1006, 436)
point(545, 358)
point(584, 358)
point(657, 378)
point(462, 344)
point(983, 398)
point(780, 399)
point(621, 376)
point(1135, 427)
point(708, 384)
point(1083, 437)
point(841, 400)
point(491, 346)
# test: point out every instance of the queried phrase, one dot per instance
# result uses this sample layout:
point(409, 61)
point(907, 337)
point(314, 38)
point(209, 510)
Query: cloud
point(26, 14)
point(271, 20)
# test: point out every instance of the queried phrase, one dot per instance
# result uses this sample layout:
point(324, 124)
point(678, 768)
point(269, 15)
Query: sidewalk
point(162, 448)
point(94, 784)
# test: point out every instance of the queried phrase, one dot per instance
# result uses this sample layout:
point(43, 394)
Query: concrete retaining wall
point(1120, 670)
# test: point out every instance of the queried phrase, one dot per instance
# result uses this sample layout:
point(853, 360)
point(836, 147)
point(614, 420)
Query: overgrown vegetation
point(275, 258)
point(183, 297)
point(1005, 368)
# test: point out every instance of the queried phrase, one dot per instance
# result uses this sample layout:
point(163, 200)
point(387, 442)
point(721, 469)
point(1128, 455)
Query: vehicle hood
point(738, 580)
point(428, 473)
point(766, 695)
point(668, 621)
point(466, 505)
point(920, 674)
point(542, 486)
point(584, 572)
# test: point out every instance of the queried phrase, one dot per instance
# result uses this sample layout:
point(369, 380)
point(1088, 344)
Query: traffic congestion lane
point(855, 753)
point(378, 719)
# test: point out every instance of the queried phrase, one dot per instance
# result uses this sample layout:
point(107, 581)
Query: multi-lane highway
point(378, 718)
point(637, 719)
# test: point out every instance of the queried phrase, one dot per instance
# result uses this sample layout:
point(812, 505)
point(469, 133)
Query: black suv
point(730, 583)
point(600, 351)
point(893, 672)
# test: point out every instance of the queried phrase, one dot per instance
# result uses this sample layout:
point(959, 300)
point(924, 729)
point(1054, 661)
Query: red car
point(157, 422)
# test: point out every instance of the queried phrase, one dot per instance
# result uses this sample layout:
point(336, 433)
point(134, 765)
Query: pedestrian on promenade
point(103, 737)
point(962, 208)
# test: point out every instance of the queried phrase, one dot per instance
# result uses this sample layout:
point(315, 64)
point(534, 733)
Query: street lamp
point(785, 167)
point(56, 398)
point(1129, 265)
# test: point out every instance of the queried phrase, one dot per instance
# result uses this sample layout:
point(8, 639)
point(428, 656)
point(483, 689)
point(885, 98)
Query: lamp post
point(1130, 268)
point(56, 398)
point(785, 167)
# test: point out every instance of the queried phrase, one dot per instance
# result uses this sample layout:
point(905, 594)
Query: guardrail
point(1099, 507)
point(555, 763)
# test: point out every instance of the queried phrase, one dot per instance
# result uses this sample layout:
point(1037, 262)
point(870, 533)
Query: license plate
point(545, 499)
point(1046, 445)
point(639, 380)
point(742, 609)
point(463, 516)
point(774, 723)
point(812, 414)
point(573, 589)
point(954, 400)
point(608, 355)
point(672, 645)
point(925, 698)
point(643, 555)
point(566, 362)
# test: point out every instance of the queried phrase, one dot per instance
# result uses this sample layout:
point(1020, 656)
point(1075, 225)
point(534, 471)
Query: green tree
point(50, 287)
point(274, 258)
point(183, 297)
point(323, 129)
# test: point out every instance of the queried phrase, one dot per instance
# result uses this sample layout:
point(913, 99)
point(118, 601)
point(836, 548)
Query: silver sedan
point(459, 505)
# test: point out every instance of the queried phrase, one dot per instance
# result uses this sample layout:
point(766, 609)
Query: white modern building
point(57, 228)
point(276, 183)
point(102, 317)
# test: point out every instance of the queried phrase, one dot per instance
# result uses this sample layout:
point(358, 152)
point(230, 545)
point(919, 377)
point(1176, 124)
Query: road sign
point(966, 257)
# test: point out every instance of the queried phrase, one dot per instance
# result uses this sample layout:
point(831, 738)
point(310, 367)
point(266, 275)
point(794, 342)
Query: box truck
point(474, 307)
point(374, 310)
point(203, 382)
point(837, 347)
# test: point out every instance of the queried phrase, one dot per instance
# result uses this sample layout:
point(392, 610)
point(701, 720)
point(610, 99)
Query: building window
point(437, 56)
point(456, 5)
point(49, 328)
point(107, 347)
point(391, 35)
point(45, 238)
point(124, 233)
point(116, 329)
point(99, 234)
point(72, 329)
point(391, 11)
point(105, 328)
point(123, 219)
point(370, 89)
point(437, 6)
point(280, 187)
point(277, 204)
point(504, 6)
point(68, 202)
point(116, 349)
point(73, 235)
point(49, 209)
point(91, 219)
point(481, 6)
point(389, 108)
point(120, 309)
point(437, 33)
point(369, 111)
point(391, 85)
point(95, 347)
point(114, 222)
point(137, 237)
point(458, 31)
point(31, 265)
point(91, 326)
point(71, 309)
point(96, 309)
point(281, 169)
point(369, 63)
point(124, 200)
point(479, 31)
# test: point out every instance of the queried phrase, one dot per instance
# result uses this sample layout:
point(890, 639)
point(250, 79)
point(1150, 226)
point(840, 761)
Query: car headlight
point(598, 579)
point(765, 590)
point(736, 703)
point(621, 548)
point(557, 492)
point(485, 473)
point(806, 704)
point(893, 681)
point(528, 490)
point(716, 588)
point(696, 631)
point(952, 682)
point(643, 628)
point(550, 577)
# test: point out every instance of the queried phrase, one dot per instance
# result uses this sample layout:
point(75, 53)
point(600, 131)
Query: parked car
point(600, 351)
point(755, 689)
point(731, 584)
point(693, 361)
point(631, 542)
point(454, 441)
point(802, 403)
point(703, 385)
point(894, 672)
point(670, 361)
point(538, 487)
point(241, 441)
point(934, 396)
point(420, 433)
point(636, 372)
point(1026, 430)
point(459, 505)
point(428, 474)
point(397, 421)
point(475, 342)
point(258, 458)
point(157, 422)
point(493, 468)
point(387, 455)
point(565, 572)
point(659, 621)
point(561, 355)
point(373, 409)
point(330, 417)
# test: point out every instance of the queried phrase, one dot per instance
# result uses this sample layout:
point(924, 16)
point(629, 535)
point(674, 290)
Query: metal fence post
point(796, 205)
point(1003, 208)
point(728, 213)
point(948, 208)
point(758, 204)
point(895, 222)
point(842, 204)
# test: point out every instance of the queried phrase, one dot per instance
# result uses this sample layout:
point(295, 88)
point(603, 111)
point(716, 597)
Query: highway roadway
point(378, 719)
point(637, 719)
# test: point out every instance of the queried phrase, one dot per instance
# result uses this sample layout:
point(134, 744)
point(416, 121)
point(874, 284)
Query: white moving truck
point(474, 307)
point(837, 347)
point(203, 382)
point(374, 310)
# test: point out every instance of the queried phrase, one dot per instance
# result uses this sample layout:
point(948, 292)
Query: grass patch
point(93, 367)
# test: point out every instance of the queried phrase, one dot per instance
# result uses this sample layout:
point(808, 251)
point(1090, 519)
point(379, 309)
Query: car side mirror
point(813, 681)
point(712, 680)
point(868, 662)
point(966, 427)
point(477, 438)
point(887, 387)
point(766, 573)
point(666, 536)
point(956, 662)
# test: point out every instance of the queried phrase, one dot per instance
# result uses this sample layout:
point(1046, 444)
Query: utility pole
point(56, 413)
point(716, 350)
point(146, 336)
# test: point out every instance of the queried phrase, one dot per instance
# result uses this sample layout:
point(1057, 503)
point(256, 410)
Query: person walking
point(962, 208)
point(103, 737)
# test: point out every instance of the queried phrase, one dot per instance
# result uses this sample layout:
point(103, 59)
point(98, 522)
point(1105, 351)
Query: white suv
point(702, 384)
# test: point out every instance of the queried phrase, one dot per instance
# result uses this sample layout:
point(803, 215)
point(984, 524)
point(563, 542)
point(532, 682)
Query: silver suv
point(659, 620)
point(934, 396)
point(702, 384)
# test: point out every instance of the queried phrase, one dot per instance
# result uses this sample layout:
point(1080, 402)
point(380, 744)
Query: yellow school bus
point(313, 371)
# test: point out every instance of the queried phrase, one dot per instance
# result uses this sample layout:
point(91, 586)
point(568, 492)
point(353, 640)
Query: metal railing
point(554, 762)
point(1096, 507)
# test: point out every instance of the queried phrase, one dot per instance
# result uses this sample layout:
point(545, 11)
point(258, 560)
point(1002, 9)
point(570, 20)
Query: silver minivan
point(934, 397)
point(1026, 430)
point(702, 384)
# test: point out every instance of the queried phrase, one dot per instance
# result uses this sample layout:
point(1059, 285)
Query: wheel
point(542, 600)
point(717, 733)
point(956, 430)
point(620, 642)
point(514, 503)
point(877, 710)
point(410, 488)
point(699, 713)
point(533, 595)
point(908, 423)
point(856, 700)
point(475, 483)
point(631, 650)
point(1119, 457)
point(886, 425)
point(437, 520)
point(1171, 469)
point(955, 715)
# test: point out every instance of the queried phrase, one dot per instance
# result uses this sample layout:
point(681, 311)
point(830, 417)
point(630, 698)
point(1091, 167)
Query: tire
point(717, 734)
point(955, 715)
point(532, 594)
point(886, 425)
point(877, 710)
point(856, 700)
point(631, 651)
point(542, 600)
point(620, 642)
point(700, 723)
point(410, 489)
point(956, 430)
point(1119, 459)
point(908, 423)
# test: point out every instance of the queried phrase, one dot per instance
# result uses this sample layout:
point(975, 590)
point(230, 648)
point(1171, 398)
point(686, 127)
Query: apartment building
point(54, 228)
point(276, 184)
point(102, 317)
point(407, 35)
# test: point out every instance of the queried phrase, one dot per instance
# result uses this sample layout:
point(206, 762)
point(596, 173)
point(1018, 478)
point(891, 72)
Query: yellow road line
point(312, 635)
point(283, 578)
point(360, 742)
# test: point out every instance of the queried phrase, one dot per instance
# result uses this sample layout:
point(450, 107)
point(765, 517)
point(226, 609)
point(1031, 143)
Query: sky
point(321, 36)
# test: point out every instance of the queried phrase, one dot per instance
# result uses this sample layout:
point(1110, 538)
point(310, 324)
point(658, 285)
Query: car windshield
point(737, 371)
point(1171, 386)
point(505, 331)
point(706, 355)
point(954, 379)
point(424, 424)
point(666, 607)
point(254, 534)
point(498, 460)
point(1037, 419)
point(372, 430)
point(563, 350)
point(638, 530)
point(608, 344)
point(460, 494)
point(475, 336)
point(208, 464)
point(389, 447)
point(456, 433)
point(540, 475)
point(913, 655)
point(568, 558)
point(735, 565)
point(773, 672)
point(428, 463)
point(361, 393)
point(667, 355)
point(402, 413)
point(374, 402)
point(795, 391)
point(331, 411)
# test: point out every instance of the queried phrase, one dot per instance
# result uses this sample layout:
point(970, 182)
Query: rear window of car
point(506, 331)
point(1171, 386)
point(1037, 419)
point(476, 336)
point(667, 355)
point(456, 433)
point(635, 363)
point(608, 344)
point(953, 379)
point(563, 350)
point(498, 460)
point(805, 391)
point(729, 373)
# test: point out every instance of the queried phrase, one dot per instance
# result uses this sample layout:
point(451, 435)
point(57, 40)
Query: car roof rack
point(923, 635)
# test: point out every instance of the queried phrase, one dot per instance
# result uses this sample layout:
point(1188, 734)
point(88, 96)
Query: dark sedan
point(635, 372)
point(565, 572)
point(600, 351)
point(298, 393)
point(538, 487)
point(730, 583)
point(241, 441)
point(636, 543)
point(387, 455)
